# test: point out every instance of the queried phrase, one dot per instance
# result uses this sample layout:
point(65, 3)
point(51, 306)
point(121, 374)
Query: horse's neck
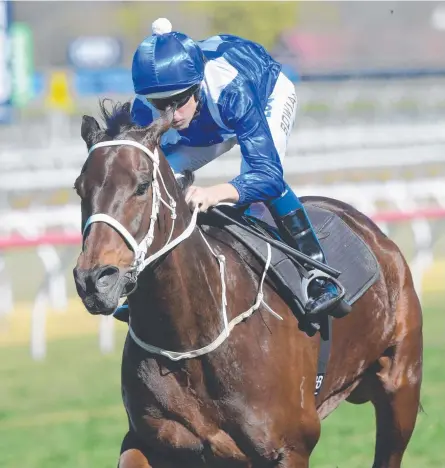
point(177, 305)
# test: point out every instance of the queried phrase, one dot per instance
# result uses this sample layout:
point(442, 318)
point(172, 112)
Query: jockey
point(226, 90)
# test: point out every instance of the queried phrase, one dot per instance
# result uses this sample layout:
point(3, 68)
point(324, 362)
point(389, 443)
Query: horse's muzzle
point(100, 288)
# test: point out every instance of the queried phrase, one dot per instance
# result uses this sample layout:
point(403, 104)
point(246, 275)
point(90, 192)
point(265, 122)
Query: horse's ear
point(158, 128)
point(90, 130)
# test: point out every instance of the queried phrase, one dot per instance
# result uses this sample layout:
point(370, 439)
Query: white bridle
point(140, 251)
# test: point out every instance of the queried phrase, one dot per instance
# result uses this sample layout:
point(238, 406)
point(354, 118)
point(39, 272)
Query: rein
point(141, 260)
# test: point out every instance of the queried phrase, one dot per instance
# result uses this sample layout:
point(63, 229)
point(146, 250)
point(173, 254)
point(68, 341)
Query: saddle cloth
point(344, 250)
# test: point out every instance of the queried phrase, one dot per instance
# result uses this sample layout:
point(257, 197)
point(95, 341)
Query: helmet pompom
point(161, 26)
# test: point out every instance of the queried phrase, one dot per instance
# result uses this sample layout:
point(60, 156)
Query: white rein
point(141, 260)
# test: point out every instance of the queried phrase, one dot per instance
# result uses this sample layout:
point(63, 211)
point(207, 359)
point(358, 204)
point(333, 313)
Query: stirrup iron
point(314, 274)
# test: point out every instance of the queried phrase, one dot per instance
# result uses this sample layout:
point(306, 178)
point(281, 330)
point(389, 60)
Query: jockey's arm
point(264, 179)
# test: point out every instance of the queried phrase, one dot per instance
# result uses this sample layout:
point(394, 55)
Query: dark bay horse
point(220, 399)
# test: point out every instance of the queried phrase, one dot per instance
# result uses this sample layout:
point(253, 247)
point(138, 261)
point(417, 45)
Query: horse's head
point(128, 193)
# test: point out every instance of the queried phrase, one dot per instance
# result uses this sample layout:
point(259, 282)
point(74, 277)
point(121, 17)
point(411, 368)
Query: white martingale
point(141, 260)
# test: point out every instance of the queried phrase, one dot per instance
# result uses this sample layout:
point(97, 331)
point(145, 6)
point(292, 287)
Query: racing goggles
point(175, 102)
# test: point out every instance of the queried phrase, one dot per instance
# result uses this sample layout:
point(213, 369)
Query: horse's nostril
point(98, 280)
point(106, 277)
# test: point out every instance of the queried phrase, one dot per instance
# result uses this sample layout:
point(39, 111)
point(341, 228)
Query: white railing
point(303, 141)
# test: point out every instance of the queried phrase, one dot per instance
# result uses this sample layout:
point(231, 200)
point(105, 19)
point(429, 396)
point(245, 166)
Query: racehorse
point(202, 384)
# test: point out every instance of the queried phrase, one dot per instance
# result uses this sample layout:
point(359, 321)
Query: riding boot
point(122, 313)
point(323, 294)
point(295, 227)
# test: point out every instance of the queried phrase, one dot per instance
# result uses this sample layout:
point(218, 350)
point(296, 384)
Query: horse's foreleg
point(397, 397)
point(299, 448)
point(294, 460)
point(133, 458)
point(131, 454)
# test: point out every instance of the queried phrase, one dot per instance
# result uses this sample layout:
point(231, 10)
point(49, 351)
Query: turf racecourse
point(67, 411)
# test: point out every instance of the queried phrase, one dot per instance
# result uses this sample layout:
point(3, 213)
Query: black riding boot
point(298, 232)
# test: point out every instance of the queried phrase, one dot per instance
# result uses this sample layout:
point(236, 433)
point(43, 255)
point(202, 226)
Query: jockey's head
point(168, 68)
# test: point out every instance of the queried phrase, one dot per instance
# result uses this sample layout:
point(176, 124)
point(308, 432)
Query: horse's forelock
point(118, 119)
point(119, 123)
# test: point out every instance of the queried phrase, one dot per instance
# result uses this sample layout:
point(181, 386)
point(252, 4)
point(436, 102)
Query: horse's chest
point(179, 427)
point(164, 408)
point(175, 418)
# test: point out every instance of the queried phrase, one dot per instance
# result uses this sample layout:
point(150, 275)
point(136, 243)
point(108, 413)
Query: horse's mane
point(185, 179)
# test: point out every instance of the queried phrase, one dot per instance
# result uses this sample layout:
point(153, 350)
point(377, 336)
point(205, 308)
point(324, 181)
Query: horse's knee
point(133, 458)
point(302, 443)
point(134, 455)
point(295, 460)
point(131, 455)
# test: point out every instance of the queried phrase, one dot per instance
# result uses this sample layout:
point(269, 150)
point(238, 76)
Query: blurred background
point(370, 80)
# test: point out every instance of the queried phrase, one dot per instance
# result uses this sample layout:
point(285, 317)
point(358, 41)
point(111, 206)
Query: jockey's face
point(184, 115)
point(185, 105)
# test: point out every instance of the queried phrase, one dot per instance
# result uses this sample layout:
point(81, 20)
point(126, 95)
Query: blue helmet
point(166, 63)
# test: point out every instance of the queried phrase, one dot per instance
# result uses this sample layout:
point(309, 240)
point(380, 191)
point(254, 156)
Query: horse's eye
point(142, 188)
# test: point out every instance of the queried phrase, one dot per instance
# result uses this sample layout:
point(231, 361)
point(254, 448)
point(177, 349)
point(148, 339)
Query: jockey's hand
point(201, 197)
point(206, 197)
